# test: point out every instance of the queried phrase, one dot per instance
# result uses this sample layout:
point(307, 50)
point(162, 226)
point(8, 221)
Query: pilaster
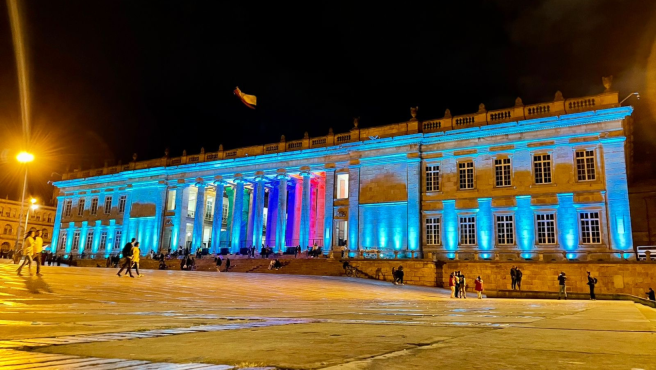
point(617, 194)
point(199, 218)
point(329, 196)
point(237, 215)
point(218, 217)
point(281, 224)
point(304, 230)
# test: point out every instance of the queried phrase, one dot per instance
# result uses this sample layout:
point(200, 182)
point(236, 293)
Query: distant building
point(42, 219)
point(523, 181)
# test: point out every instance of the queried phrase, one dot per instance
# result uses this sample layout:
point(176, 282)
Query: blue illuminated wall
point(383, 227)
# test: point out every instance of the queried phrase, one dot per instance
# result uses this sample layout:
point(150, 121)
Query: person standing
point(463, 286)
point(218, 263)
point(513, 277)
point(452, 285)
point(592, 282)
point(28, 250)
point(562, 279)
point(651, 295)
point(136, 253)
point(479, 287)
point(456, 278)
point(518, 278)
point(38, 249)
point(227, 264)
point(127, 255)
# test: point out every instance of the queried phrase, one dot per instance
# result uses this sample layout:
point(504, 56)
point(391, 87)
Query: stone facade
point(528, 180)
point(43, 218)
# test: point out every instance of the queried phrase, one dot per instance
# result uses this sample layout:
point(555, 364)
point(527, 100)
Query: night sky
point(111, 78)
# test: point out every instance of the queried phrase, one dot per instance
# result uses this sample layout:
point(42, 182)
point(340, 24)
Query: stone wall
point(622, 277)
point(424, 273)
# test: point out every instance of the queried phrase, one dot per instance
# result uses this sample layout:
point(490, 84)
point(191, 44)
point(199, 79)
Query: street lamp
point(23, 158)
point(33, 207)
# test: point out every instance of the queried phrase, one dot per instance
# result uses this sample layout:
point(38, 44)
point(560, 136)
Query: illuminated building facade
point(548, 177)
point(42, 218)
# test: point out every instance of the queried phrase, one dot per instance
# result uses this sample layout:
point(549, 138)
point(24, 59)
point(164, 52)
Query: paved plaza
point(90, 318)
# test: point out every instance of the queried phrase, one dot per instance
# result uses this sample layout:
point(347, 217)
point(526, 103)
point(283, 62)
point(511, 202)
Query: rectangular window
point(94, 206)
point(102, 245)
point(117, 239)
point(433, 231)
point(546, 228)
point(80, 207)
point(342, 185)
point(590, 228)
point(121, 203)
point(585, 165)
point(170, 200)
point(433, 178)
point(76, 241)
point(108, 205)
point(62, 242)
point(89, 242)
point(542, 168)
point(67, 208)
point(466, 170)
point(502, 171)
point(224, 220)
point(468, 230)
point(505, 230)
point(209, 209)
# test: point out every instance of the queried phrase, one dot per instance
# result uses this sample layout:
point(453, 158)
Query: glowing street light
point(23, 158)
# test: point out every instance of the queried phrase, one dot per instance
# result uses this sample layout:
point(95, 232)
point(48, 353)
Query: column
point(329, 197)
point(354, 207)
point(199, 218)
point(291, 211)
point(485, 226)
point(218, 217)
point(525, 221)
point(258, 218)
point(235, 243)
point(568, 224)
point(57, 226)
point(250, 215)
point(230, 193)
point(316, 229)
point(125, 236)
point(414, 216)
point(160, 211)
point(450, 221)
point(304, 229)
point(97, 231)
point(246, 209)
point(272, 216)
point(181, 206)
point(617, 194)
point(281, 216)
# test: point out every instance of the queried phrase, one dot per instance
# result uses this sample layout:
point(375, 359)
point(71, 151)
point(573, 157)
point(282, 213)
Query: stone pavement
point(89, 318)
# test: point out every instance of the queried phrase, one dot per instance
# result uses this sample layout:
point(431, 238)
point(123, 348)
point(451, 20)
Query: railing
point(519, 112)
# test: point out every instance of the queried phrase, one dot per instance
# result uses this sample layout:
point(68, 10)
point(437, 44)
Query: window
point(342, 185)
point(67, 208)
point(76, 241)
point(224, 220)
point(466, 170)
point(170, 200)
point(89, 242)
point(108, 205)
point(121, 203)
point(546, 228)
point(80, 207)
point(62, 242)
point(468, 230)
point(94, 206)
point(502, 171)
point(585, 166)
point(433, 231)
point(117, 239)
point(505, 233)
point(8, 230)
point(209, 208)
point(44, 234)
point(49, 217)
point(590, 231)
point(103, 241)
point(542, 168)
point(433, 178)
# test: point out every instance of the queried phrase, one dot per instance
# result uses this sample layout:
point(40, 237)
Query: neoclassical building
point(42, 219)
point(529, 179)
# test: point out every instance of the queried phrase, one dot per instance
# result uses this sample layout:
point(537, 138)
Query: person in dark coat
point(227, 263)
point(127, 254)
point(518, 278)
point(513, 276)
point(651, 295)
point(219, 261)
point(592, 282)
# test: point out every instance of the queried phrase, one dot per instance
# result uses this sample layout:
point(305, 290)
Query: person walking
point(518, 278)
point(227, 264)
point(398, 276)
point(513, 277)
point(38, 250)
point(218, 263)
point(592, 282)
point(28, 251)
point(127, 255)
point(463, 286)
point(650, 294)
point(136, 254)
point(563, 288)
point(452, 285)
point(479, 287)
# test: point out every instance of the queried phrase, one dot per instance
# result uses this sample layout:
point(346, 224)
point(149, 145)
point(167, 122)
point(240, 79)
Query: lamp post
point(24, 158)
point(33, 207)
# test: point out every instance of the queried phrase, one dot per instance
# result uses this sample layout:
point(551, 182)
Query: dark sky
point(110, 78)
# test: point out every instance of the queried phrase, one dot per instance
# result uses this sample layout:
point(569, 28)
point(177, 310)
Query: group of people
point(275, 264)
point(458, 285)
point(131, 255)
point(219, 262)
point(516, 277)
point(32, 248)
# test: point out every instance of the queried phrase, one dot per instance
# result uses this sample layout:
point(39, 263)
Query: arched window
point(49, 217)
point(8, 230)
point(13, 212)
point(44, 233)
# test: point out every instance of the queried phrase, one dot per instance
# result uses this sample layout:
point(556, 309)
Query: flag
point(248, 100)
